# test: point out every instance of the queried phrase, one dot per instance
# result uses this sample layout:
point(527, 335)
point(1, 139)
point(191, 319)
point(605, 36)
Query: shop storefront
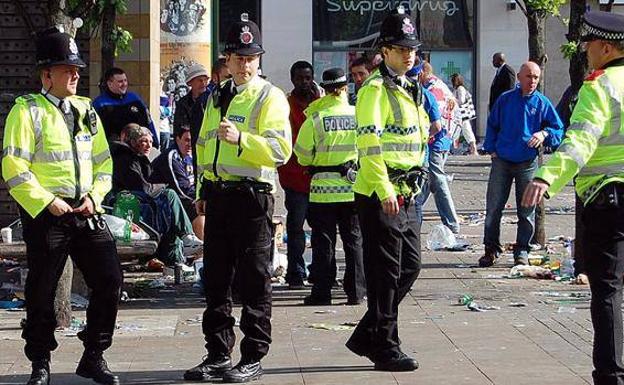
point(346, 29)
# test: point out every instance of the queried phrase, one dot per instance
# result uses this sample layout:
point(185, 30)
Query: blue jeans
point(438, 186)
point(502, 174)
point(297, 210)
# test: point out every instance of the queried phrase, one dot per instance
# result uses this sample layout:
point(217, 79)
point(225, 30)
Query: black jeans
point(391, 264)
point(237, 240)
point(603, 245)
point(323, 219)
point(49, 240)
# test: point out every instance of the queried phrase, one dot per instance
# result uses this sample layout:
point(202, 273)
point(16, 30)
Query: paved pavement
point(545, 341)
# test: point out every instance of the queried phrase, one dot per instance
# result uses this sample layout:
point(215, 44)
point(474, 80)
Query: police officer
point(58, 168)
point(593, 149)
point(245, 135)
point(326, 142)
point(392, 128)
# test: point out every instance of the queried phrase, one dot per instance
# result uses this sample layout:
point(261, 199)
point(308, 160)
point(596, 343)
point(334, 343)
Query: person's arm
point(509, 78)
point(493, 128)
point(371, 118)
point(102, 168)
point(552, 125)
point(19, 148)
point(589, 118)
point(150, 123)
point(304, 147)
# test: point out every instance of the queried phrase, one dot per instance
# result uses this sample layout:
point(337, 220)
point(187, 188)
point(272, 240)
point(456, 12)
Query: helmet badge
point(407, 26)
point(73, 48)
point(246, 37)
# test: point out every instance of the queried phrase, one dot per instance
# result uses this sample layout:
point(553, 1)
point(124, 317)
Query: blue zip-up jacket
point(514, 119)
point(116, 111)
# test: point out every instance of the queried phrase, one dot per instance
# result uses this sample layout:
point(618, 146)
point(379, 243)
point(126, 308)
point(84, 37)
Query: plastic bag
point(118, 225)
point(440, 238)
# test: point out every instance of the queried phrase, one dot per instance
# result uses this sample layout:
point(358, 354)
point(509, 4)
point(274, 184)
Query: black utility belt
point(224, 186)
point(347, 170)
point(397, 175)
point(610, 195)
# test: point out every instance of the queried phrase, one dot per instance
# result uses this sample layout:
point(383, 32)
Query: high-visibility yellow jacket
point(593, 146)
point(392, 132)
point(327, 138)
point(260, 112)
point(43, 160)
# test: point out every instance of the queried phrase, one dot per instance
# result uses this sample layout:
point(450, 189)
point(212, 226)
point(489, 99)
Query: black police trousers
point(391, 263)
point(323, 218)
point(237, 240)
point(603, 246)
point(49, 240)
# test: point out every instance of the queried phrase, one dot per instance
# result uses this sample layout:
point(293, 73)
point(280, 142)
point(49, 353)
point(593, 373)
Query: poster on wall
point(185, 39)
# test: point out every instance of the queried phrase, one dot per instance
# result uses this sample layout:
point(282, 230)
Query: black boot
point(92, 365)
point(40, 373)
point(244, 371)
point(399, 363)
point(211, 368)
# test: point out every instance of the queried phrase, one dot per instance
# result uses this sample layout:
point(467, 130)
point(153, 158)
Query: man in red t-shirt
point(293, 177)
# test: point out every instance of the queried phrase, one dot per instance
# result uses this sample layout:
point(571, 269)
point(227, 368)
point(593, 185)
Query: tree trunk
point(108, 45)
point(536, 22)
point(58, 16)
point(62, 300)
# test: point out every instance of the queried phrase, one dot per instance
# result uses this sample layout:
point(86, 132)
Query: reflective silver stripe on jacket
point(573, 152)
point(301, 150)
point(18, 153)
point(101, 157)
point(335, 147)
point(395, 106)
point(615, 101)
point(246, 172)
point(19, 179)
point(330, 189)
point(400, 147)
point(327, 175)
point(255, 112)
point(59, 156)
point(35, 115)
point(373, 150)
point(609, 170)
point(591, 129)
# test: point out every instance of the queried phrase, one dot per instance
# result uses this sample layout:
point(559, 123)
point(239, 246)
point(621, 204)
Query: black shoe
point(92, 365)
point(355, 301)
point(401, 363)
point(489, 259)
point(211, 368)
point(316, 301)
point(40, 373)
point(244, 371)
point(296, 285)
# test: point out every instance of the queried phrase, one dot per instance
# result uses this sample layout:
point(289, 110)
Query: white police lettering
point(449, 7)
point(237, 118)
point(339, 123)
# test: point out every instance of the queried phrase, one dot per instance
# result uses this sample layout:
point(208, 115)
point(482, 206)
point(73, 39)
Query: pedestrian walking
point(592, 151)
point(58, 168)
point(326, 144)
point(504, 79)
point(467, 112)
point(392, 128)
point(244, 137)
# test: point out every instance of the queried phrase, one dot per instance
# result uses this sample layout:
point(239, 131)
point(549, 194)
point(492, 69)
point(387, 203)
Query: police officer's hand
point(228, 132)
point(534, 193)
point(59, 207)
point(86, 208)
point(200, 207)
point(390, 206)
point(537, 139)
point(435, 128)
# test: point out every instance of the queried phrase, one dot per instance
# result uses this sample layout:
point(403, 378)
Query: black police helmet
point(57, 48)
point(334, 78)
point(398, 29)
point(244, 38)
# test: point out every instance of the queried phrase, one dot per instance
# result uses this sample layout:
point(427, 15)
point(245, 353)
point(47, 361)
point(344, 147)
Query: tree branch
point(522, 7)
point(82, 9)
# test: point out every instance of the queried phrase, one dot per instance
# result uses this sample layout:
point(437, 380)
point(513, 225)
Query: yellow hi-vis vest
point(594, 143)
point(327, 138)
point(392, 132)
point(260, 112)
point(43, 160)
